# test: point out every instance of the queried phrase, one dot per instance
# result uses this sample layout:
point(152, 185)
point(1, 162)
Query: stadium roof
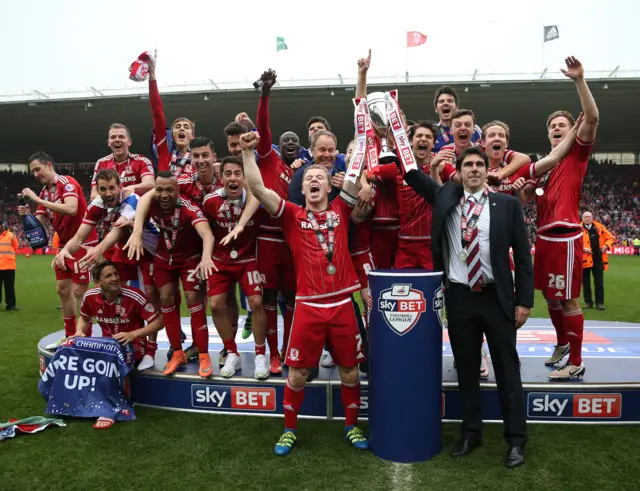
point(72, 126)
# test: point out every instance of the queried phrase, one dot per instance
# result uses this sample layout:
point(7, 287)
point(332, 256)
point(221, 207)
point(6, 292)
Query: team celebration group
point(304, 226)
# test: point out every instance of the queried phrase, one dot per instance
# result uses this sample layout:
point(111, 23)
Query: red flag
point(415, 38)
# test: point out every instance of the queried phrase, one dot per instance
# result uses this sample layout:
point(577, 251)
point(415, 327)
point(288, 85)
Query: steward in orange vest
point(605, 242)
point(8, 248)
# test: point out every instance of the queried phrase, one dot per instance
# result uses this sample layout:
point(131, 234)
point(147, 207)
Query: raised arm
point(422, 184)
point(159, 120)
point(269, 199)
point(575, 71)
point(264, 145)
point(363, 68)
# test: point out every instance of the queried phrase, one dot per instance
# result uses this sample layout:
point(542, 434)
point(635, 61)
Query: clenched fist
point(249, 141)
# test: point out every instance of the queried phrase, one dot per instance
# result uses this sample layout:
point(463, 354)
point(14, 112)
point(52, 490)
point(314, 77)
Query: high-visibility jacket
point(8, 248)
point(605, 238)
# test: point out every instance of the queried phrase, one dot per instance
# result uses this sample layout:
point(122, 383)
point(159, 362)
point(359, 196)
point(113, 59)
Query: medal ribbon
point(327, 249)
point(469, 225)
point(183, 160)
point(170, 243)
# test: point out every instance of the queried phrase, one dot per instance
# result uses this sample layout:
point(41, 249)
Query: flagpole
point(406, 57)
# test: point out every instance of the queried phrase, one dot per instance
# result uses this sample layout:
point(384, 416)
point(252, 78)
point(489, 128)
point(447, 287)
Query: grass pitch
point(168, 450)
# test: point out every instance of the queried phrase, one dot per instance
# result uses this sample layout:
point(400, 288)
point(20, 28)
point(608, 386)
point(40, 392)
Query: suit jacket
point(507, 229)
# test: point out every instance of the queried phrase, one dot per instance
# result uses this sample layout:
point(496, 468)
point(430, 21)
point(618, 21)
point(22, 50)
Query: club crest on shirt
point(401, 306)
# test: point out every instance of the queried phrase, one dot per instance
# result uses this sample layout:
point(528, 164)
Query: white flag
point(551, 33)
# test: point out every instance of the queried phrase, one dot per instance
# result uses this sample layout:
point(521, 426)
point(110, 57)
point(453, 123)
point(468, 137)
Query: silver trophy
point(377, 105)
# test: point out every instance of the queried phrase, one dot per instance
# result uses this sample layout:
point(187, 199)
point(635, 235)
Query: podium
point(405, 364)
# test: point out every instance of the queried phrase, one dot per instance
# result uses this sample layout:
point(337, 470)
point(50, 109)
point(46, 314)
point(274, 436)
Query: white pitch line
point(401, 477)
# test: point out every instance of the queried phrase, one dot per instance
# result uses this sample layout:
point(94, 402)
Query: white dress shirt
point(458, 272)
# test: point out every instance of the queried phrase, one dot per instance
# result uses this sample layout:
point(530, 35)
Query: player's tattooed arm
point(268, 198)
point(360, 211)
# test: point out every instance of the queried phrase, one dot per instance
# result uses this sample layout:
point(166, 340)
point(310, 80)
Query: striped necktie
point(474, 267)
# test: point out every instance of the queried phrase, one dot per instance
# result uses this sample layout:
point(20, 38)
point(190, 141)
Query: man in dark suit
point(472, 232)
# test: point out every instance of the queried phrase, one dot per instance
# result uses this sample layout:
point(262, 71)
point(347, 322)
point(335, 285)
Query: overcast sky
point(72, 44)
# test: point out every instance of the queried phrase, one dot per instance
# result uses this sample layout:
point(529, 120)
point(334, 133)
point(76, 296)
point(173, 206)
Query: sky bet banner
point(85, 379)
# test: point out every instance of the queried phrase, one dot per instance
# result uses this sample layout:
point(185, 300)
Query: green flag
point(280, 44)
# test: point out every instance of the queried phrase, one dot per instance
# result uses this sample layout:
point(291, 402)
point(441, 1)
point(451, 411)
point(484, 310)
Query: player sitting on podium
point(121, 312)
point(318, 237)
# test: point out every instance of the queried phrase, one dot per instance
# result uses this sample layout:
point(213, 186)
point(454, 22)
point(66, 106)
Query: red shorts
point(316, 323)
point(384, 243)
point(557, 269)
point(133, 272)
point(276, 265)
point(245, 273)
point(363, 263)
point(73, 271)
point(185, 271)
point(413, 254)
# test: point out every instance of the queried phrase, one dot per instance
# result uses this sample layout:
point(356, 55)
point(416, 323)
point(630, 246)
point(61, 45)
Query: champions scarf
point(139, 69)
point(85, 379)
point(367, 144)
point(403, 147)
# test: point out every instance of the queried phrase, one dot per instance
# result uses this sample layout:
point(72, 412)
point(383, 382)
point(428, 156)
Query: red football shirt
point(191, 187)
point(188, 243)
point(65, 225)
point(386, 215)
point(415, 211)
point(100, 217)
point(312, 279)
point(526, 171)
point(126, 314)
point(276, 175)
point(131, 171)
point(218, 208)
point(560, 203)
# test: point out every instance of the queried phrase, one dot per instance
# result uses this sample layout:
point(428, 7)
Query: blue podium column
point(405, 364)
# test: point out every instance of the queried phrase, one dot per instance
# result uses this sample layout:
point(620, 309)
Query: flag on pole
point(415, 38)
point(280, 44)
point(551, 33)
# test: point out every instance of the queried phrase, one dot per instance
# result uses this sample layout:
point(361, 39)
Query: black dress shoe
point(13, 307)
point(515, 457)
point(465, 446)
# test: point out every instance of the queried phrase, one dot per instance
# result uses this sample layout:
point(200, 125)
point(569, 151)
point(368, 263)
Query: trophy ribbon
point(403, 147)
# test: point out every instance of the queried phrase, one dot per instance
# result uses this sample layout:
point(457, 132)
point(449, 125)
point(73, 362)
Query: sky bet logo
point(402, 307)
point(225, 398)
point(550, 405)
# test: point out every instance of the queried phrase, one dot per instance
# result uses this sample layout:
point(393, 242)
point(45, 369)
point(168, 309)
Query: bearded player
point(135, 171)
point(318, 237)
point(183, 255)
point(62, 204)
point(234, 261)
point(121, 312)
point(559, 249)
